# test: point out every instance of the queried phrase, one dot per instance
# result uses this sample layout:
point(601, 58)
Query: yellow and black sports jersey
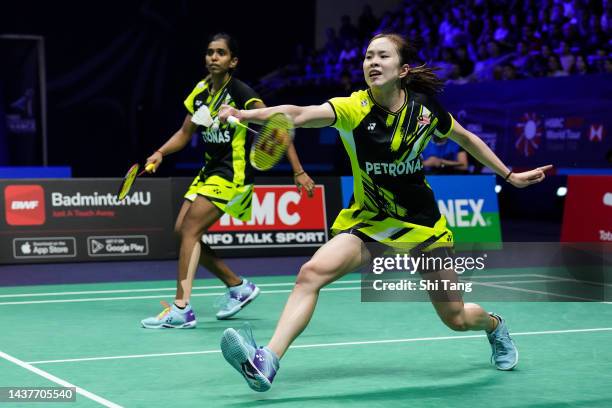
point(226, 147)
point(385, 148)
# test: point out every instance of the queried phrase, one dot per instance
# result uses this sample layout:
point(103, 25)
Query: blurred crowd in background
point(468, 40)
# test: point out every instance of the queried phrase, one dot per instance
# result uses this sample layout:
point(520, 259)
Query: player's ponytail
point(420, 78)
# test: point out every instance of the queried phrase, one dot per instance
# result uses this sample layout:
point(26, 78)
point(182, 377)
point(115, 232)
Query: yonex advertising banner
point(53, 220)
point(587, 214)
point(469, 204)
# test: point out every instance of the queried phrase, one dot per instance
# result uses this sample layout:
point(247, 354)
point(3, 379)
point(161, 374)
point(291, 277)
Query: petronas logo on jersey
point(394, 169)
point(216, 135)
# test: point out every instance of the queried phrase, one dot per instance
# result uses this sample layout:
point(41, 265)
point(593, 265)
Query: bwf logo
point(24, 205)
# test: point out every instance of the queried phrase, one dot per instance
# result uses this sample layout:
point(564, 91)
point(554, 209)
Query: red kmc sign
point(24, 205)
point(588, 209)
point(279, 208)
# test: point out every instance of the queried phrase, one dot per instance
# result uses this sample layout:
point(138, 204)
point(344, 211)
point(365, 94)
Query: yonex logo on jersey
point(394, 169)
point(372, 126)
point(24, 205)
point(364, 103)
point(198, 103)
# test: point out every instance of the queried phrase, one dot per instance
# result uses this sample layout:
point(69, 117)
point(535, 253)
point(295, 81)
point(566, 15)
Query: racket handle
point(234, 121)
point(149, 168)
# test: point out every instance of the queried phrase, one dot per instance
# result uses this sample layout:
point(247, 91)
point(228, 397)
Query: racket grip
point(149, 168)
point(232, 120)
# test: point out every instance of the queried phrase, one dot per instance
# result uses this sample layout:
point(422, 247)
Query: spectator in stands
point(554, 67)
point(455, 76)
point(580, 67)
point(531, 39)
point(367, 23)
point(445, 64)
point(502, 30)
point(444, 156)
point(509, 72)
point(597, 61)
point(597, 37)
point(522, 34)
point(349, 55)
point(466, 65)
point(332, 42)
point(484, 70)
point(347, 30)
point(449, 29)
point(522, 59)
point(540, 61)
point(566, 58)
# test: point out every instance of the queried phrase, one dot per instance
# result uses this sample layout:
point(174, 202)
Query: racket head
point(127, 182)
point(272, 142)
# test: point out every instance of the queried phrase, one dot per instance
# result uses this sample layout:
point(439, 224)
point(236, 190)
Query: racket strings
point(128, 180)
point(274, 139)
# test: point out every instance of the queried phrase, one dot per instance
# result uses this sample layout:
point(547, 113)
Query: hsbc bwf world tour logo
point(529, 134)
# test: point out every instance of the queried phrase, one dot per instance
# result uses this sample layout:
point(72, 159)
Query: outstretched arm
point(479, 149)
point(314, 116)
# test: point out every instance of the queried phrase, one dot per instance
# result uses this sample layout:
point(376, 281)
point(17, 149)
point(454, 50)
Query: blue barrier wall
point(565, 121)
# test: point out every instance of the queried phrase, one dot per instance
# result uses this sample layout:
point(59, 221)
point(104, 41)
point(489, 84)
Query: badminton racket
point(130, 176)
point(271, 141)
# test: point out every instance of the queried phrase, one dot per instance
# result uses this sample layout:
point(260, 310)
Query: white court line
point(343, 344)
point(101, 299)
point(539, 292)
point(99, 292)
point(575, 280)
point(263, 285)
point(59, 381)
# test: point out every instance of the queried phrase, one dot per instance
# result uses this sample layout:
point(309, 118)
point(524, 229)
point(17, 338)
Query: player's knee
point(455, 322)
point(188, 230)
point(177, 229)
point(310, 275)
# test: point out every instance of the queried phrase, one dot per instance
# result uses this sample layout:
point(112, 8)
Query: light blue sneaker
point(235, 299)
point(505, 353)
point(258, 365)
point(171, 318)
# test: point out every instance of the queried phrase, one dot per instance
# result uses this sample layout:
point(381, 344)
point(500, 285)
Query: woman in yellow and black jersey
point(384, 130)
point(224, 185)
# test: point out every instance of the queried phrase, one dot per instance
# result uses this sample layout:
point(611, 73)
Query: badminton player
point(223, 185)
point(384, 130)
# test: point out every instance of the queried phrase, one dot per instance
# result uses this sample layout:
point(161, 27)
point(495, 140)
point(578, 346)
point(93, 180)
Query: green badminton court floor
point(352, 354)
